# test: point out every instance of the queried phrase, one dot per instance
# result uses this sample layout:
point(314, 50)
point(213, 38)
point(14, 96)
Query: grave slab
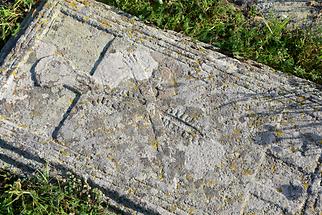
point(160, 123)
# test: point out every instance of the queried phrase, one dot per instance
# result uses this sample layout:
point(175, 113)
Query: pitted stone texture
point(161, 124)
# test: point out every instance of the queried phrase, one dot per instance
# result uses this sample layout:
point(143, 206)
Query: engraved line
point(113, 194)
point(184, 122)
point(253, 180)
point(287, 163)
point(99, 60)
point(67, 113)
point(33, 72)
point(78, 17)
point(105, 173)
point(21, 165)
point(285, 210)
point(314, 175)
point(93, 22)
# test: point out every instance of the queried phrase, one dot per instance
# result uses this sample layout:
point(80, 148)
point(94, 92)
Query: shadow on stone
point(266, 137)
point(292, 192)
point(120, 199)
point(13, 40)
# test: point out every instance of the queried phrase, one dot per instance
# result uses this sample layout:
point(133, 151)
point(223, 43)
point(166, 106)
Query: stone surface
point(299, 12)
point(303, 12)
point(161, 124)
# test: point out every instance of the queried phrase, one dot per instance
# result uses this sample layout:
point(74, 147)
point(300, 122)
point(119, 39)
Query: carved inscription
point(181, 123)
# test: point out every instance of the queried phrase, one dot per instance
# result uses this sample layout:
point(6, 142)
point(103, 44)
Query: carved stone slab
point(161, 124)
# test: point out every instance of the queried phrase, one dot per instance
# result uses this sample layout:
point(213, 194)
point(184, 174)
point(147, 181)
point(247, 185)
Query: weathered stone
point(161, 124)
point(298, 12)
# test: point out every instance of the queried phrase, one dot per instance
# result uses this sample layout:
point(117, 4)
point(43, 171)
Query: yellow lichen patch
point(198, 62)
point(161, 174)
point(233, 166)
point(201, 49)
point(193, 134)
point(64, 153)
point(130, 33)
point(197, 69)
point(142, 121)
point(301, 98)
point(14, 73)
point(130, 191)
point(62, 143)
point(279, 190)
point(141, 40)
point(227, 200)
point(273, 168)
point(23, 126)
point(86, 18)
point(225, 139)
point(70, 101)
point(44, 142)
point(211, 183)
point(248, 172)
point(237, 132)
point(293, 149)
point(155, 144)
point(173, 208)
point(105, 23)
point(189, 177)
point(178, 186)
point(3, 117)
point(72, 4)
point(305, 185)
point(191, 211)
point(210, 77)
point(59, 53)
point(43, 21)
point(279, 133)
point(132, 21)
point(220, 165)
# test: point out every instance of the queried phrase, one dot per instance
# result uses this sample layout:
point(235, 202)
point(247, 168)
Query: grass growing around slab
point(42, 194)
point(241, 33)
point(11, 15)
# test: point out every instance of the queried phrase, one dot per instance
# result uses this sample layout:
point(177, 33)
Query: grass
point(11, 15)
point(43, 194)
point(243, 34)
